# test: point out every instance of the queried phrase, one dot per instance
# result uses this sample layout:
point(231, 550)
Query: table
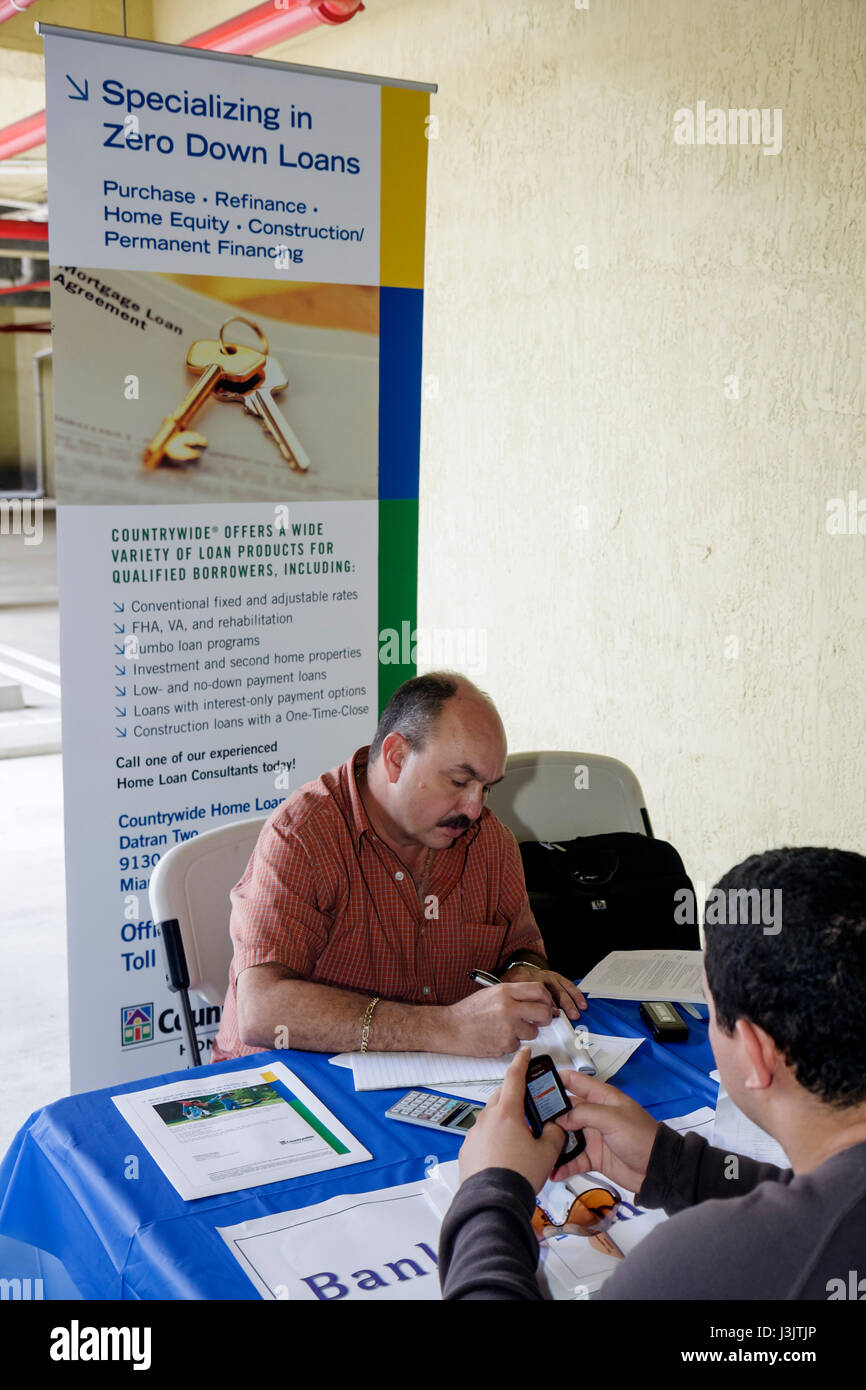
point(63, 1189)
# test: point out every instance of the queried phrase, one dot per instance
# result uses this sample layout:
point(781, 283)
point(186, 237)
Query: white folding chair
point(558, 796)
point(189, 900)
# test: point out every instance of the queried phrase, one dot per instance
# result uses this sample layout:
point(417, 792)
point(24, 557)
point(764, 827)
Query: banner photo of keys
point(257, 397)
point(213, 362)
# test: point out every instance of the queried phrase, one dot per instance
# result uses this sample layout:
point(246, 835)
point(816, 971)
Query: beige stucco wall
point(696, 619)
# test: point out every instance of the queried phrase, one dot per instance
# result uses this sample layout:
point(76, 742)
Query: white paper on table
point(480, 1092)
point(736, 1133)
point(371, 1246)
point(698, 1121)
point(374, 1071)
point(381, 1071)
point(608, 1054)
point(651, 975)
point(571, 1267)
point(225, 1149)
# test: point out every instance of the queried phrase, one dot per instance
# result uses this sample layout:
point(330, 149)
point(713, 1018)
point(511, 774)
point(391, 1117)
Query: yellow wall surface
point(644, 382)
point(628, 449)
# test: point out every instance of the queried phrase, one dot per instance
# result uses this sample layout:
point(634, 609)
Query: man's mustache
point(457, 823)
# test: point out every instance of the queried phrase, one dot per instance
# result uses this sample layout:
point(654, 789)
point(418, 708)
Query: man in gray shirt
point(788, 1029)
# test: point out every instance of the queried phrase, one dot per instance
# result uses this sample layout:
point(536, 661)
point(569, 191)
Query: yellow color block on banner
point(404, 187)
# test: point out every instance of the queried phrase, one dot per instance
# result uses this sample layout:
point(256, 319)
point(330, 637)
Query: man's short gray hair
point(415, 707)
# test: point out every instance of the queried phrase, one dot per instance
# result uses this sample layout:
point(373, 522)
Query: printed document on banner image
point(238, 1129)
point(651, 975)
point(240, 463)
point(365, 1246)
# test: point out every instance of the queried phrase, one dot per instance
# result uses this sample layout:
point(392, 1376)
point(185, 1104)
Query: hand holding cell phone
point(546, 1099)
point(501, 1138)
point(619, 1133)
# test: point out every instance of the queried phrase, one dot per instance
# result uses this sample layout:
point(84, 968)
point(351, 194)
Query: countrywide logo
point(136, 1024)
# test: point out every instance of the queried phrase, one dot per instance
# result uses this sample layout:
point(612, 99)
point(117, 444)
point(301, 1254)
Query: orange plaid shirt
point(325, 896)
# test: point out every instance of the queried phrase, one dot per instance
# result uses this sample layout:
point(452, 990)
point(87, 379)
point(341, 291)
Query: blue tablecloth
point(63, 1186)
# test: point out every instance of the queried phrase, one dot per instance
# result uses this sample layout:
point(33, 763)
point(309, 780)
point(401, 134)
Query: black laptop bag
point(602, 893)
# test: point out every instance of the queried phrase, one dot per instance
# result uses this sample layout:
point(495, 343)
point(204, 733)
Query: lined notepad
point(379, 1071)
point(374, 1071)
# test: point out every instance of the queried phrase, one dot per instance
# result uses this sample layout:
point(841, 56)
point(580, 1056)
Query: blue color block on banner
point(401, 317)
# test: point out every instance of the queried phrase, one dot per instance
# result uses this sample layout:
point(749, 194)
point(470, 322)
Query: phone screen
point(546, 1095)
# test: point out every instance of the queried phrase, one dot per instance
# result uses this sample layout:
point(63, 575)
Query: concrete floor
point(34, 1033)
point(33, 989)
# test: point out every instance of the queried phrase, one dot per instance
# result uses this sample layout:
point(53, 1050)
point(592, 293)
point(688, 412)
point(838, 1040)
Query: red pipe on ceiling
point(10, 8)
point(23, 135)
point(13, 230)
point(23, 289)
point(261, 27)
point(268, 24)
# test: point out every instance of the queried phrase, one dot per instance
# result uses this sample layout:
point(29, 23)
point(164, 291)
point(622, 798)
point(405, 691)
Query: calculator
point(435, 1112)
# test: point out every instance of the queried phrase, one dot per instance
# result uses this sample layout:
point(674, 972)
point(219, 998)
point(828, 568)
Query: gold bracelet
point(530, 963)
point(365, 1030)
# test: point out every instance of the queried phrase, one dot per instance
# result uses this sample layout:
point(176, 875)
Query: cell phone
point(665, 1024)
point(545, 1099)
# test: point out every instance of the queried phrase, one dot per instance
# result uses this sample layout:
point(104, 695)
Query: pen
point(583, 1061)
point(483, 977)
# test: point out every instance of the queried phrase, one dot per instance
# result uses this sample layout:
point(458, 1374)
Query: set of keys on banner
point(231, 372)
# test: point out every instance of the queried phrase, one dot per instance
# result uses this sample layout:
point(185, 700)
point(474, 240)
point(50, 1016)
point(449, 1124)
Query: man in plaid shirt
point(374, 890)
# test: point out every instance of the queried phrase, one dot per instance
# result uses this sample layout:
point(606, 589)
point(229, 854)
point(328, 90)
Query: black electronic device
point(545, 1098)
point(663, 1021)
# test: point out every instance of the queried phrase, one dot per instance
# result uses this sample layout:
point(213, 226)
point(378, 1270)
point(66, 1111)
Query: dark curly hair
point(805, 985)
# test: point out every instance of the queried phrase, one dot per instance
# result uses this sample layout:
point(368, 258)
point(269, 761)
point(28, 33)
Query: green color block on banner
point(398, 593)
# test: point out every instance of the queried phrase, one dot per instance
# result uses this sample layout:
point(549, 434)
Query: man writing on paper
point(373, 891)
point(788, 1030)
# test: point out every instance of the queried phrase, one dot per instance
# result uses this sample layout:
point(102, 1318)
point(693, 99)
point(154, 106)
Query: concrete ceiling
point(23, 182)
point(22, 69)
point(22, 83)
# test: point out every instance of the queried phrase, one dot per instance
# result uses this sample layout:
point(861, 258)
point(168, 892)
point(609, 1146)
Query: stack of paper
point(651, 975)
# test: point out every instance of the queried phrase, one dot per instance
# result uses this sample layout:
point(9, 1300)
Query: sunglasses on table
point(591, 1214)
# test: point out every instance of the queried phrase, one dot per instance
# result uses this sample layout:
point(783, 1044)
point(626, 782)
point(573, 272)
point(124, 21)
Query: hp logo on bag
point(598, 904)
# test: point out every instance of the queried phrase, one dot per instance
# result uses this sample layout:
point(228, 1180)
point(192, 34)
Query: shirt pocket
point(469, 946)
